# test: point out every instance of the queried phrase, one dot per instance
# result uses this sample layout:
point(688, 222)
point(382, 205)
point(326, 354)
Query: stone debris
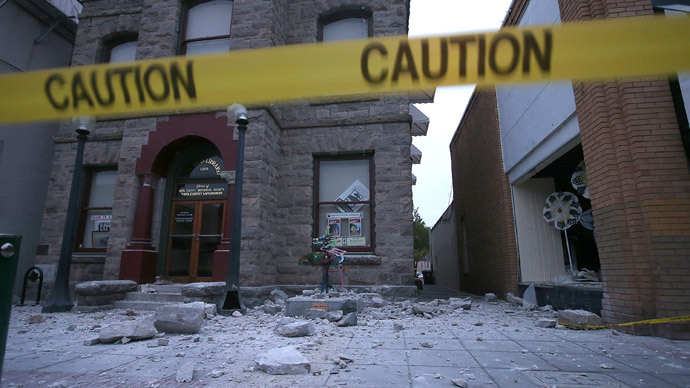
point(203, 289)
point(427, 345)
point(606, 366)
point(236, 314)
point(460, 383)
point(378, 315)
point(315, 314)
point(278, 295)
point(133, 330)
point(348, 320)
point(334, 316)
point(38, 318)
point(547, 323)
point(349, 306)
point(308, 292)
point(514, 300)
point(71, 327)
point(490, 297)
point(579, 317)
point(398, 326)
point(210, 310)
point(216, 373)
point(186, 372)
point(283, 361)
point(180, 318)
point(92, 341)
point(270, 307)
point(459, 303)
point(296, 329)
point(421, 309)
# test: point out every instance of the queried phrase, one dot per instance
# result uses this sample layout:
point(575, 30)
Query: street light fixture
point(232, 301)
point(59, 299)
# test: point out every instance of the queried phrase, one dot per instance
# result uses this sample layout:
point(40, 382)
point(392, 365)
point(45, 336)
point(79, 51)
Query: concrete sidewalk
point(491, 345)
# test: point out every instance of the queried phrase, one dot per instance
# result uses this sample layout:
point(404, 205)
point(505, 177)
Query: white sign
point(343, 215)
point(101, 217)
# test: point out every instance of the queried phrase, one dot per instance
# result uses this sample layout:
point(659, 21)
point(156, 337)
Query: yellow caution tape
point(681, 318)
point(583, 50)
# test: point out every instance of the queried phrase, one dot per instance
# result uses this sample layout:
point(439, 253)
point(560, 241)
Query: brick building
point(516, 145)
point(158, 193)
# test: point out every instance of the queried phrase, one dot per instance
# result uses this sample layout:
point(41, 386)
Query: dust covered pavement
point(402, 344)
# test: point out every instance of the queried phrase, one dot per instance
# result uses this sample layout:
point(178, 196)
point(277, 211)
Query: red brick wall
point(482, 197)
point(640, 187)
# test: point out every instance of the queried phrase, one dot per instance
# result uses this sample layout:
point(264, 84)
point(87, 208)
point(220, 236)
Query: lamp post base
point(232, 303)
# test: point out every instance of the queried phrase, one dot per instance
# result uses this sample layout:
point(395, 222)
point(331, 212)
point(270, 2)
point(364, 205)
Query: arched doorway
point(193, 214)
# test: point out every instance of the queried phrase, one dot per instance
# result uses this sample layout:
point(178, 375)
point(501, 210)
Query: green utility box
point(9, 257)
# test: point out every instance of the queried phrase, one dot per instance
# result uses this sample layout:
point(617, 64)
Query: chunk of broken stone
point(349, 306)
point(236, 314)
point(296, 329)
point(283, 361)
point(334, 316)
point(457, 303)
point(378, 315)
point(547, 323)
point(136, 330)
point(515, 300)
point(420, 309)
point(203, 289)
point(210, 310)
point(38, 318)
point(91, 341)
point(315, 314)
point(180, 318)
point(376, 302)
point(398, 326)
point(490, 297)
point(579, 317)
point(348, 320)
point(277, 295)
point(270, 307)
point(186, 372)
point(459, 382)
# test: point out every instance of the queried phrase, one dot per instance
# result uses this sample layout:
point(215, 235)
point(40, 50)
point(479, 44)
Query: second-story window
point(121, 50)
point(343, 25)
point(207, 27)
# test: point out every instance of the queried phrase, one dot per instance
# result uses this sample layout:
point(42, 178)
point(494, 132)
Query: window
point(121, 50)
point(97, 210)
point(207, 27)
point(344, 205)
point(354, 24)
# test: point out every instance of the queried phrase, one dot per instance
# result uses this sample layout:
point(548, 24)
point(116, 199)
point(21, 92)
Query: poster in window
point(355, 193)
point(355, 227)
point(99, 239)
point(102, 226)
point(334, 227)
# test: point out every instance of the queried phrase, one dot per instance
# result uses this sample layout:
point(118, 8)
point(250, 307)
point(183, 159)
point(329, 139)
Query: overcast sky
point(433, 191)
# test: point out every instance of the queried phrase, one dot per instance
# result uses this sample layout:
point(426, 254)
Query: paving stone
point(180, 318)
point(283, 361)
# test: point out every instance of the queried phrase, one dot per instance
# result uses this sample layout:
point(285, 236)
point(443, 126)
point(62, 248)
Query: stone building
point(518, 144)
point(158, 192)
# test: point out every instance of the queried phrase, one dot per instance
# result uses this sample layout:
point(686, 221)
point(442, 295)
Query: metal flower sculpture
point(326, 255)
point(579, 180)
point(562, 210)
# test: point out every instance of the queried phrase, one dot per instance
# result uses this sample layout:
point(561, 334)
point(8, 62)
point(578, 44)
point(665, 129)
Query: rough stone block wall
point(482, 200)
point(639, 185)
point(390, 144)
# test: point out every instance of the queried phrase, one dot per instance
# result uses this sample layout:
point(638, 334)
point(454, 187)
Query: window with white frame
point(97, 209)
point(344, 25)
point(344, 201)
point(207, 27)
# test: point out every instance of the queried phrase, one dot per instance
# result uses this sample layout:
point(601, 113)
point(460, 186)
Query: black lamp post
point(232, 301)
point(59, 299)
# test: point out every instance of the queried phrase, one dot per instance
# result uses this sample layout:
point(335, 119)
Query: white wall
point(539, 244)
point(443, 243)
point(538, 119)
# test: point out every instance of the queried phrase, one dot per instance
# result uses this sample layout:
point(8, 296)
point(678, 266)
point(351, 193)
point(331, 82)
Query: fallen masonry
point(394, 343)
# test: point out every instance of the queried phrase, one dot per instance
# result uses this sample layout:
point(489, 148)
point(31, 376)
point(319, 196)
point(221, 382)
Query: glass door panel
point(210, 234)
